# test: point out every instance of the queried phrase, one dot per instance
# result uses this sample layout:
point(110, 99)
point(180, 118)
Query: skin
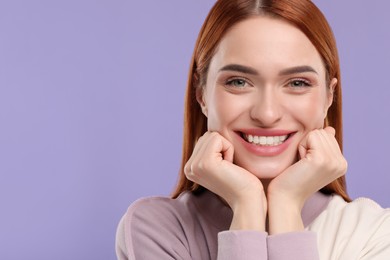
point(280, 85)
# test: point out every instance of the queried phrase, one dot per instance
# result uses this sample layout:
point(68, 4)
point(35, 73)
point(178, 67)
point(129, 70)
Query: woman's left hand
point(321, 162)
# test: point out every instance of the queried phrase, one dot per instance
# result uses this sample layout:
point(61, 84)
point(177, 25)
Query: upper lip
point(265, 132)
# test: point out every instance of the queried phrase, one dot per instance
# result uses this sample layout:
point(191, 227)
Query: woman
point(262, 173)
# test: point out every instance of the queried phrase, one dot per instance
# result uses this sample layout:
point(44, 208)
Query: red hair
point(302, 14)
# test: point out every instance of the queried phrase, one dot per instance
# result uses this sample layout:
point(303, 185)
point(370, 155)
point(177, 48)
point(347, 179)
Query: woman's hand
point(211, 166)
point(321, 162)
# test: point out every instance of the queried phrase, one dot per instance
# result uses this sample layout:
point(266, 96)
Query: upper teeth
point(266, 140)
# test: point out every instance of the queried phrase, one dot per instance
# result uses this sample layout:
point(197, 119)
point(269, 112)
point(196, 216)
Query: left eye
point(298, 83)
point(239, 83)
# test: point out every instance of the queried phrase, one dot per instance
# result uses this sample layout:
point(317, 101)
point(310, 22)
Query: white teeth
point(263, 140)
point(266, 140)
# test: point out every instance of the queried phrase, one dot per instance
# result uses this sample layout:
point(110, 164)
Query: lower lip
point(263, 150)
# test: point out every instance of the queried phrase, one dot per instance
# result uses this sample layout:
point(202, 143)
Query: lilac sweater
point(197, 227)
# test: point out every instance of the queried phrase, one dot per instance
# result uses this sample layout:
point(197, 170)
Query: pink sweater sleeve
point(248, 245)
point(294, 245)
point(151, 231)
point(244, 245)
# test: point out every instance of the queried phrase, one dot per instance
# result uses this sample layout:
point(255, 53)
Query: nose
point(267, 108)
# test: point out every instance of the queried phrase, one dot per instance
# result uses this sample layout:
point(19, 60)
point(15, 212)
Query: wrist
point(284, 215)
point(248, 218)
point(249, 213)
point(290, 201)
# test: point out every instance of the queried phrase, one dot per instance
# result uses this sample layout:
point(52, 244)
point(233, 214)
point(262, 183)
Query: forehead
point(267, 44)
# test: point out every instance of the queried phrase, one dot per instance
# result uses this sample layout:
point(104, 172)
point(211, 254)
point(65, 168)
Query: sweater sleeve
point(378, 245)
point(120, 245)
point(293, 245)
point(353, 230)
point(151, 230)
point(244, 245)
point(248, 245)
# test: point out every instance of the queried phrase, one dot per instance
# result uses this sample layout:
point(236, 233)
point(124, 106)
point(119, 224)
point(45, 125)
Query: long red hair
point(304, 15)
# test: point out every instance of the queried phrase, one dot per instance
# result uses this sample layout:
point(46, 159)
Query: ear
point(330, 93)
point(200, 99)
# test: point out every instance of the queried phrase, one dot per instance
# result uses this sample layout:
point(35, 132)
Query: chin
point(265, 171)
point(265, 168)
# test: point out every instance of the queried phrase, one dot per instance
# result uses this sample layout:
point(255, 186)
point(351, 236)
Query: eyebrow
point(252, 71)
point(298, 69)
point(240, 68)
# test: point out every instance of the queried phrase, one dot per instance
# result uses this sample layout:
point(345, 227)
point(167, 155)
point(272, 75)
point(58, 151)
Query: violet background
point(91, 100)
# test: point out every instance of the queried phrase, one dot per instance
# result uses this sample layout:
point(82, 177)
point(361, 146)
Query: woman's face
point(265, 90)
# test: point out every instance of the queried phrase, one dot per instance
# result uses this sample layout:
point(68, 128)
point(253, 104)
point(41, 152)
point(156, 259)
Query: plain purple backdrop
point(91, 100)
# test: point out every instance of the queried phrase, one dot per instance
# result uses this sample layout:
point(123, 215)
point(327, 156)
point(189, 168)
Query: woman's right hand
point(211, 166)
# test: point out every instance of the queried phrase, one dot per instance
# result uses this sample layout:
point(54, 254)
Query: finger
point(331, 150)
point(329, 136)
point(314, 142)
point(302, 147)
point(330, 130)
point(338, 156)
point(227, 149)
point(308, 144)
point(218, 146)
point(188, 168)
point(210, 150)
point(201, 148)
point(326, 144)
point(200, 143)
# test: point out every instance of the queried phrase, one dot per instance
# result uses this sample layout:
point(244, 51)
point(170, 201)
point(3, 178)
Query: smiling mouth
point(265, 140)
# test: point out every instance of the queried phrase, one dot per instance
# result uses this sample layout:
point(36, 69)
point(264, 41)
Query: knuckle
point(337, 166)
point(187, 168)
point(213, 134)
point(200, 167)
point(191, 170)
point(343, 165)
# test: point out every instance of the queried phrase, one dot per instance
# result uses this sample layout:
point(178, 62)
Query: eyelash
point(305, 83)
point(231, 82)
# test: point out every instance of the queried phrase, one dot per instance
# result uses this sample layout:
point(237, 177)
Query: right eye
point(237, 83)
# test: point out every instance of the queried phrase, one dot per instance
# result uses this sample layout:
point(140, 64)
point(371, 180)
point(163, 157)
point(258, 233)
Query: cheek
point(223, 109)
point(309, 111)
